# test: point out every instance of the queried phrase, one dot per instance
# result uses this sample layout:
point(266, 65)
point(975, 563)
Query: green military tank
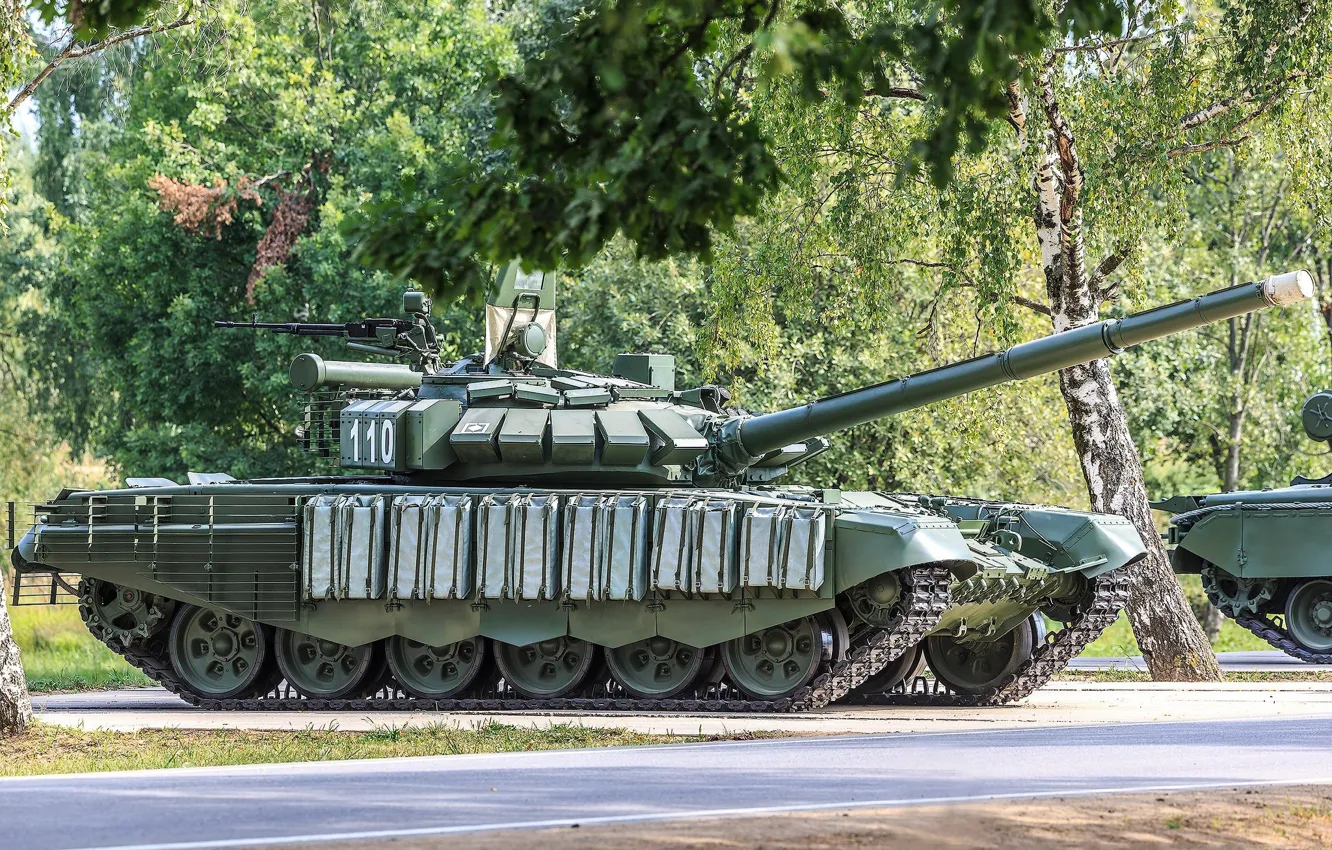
point(511, 535)
point(1260, 553)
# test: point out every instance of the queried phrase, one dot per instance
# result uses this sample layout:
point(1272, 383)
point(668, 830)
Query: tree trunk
point(15, 705)
point(1171, 640)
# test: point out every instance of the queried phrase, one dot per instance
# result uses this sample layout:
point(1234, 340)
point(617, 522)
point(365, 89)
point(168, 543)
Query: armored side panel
point(605, 548)
point(695, 545)
point(343, 555)
point(517, 536)
point(431, 545)
point(783, 547)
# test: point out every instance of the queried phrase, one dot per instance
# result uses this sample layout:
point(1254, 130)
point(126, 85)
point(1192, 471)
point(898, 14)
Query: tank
point(509, 534)
point(1262, 554)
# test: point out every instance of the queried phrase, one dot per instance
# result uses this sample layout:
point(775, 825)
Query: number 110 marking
point(385, 435)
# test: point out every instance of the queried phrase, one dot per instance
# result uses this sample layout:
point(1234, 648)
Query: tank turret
point(512, 413)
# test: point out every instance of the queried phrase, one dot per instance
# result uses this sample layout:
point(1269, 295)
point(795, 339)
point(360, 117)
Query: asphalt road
point(1265, 661)
point(369, 801)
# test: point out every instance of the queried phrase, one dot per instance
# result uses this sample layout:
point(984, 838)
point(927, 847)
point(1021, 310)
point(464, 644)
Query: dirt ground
point(1289, 817)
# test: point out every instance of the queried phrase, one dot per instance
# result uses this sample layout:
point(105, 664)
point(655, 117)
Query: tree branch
point(1118, 42)
point(899, 92)
point(1203, 147)
point(968, 281)
point(73, 50)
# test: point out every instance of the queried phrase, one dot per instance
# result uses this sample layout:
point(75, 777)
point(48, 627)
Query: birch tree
point(1047, 222)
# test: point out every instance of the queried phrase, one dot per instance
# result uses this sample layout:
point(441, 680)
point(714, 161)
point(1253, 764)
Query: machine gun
point(412, 338)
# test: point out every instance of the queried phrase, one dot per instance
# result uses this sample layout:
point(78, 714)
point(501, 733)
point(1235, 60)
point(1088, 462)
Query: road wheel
point(436, 672)
point(548, 668)
point(656, 668)
point(219, 655)
point(1309, 614)
point(977, 666)
point(778, 661)
point(325, 669)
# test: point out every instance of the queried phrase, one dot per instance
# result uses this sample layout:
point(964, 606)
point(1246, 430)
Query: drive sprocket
point(126, 615)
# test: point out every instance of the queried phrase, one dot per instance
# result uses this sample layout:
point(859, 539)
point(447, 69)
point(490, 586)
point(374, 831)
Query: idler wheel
point(436, 672)
point(977, 666)
point(548, 668)
point(115, 612)
point(324, 669)
point(904, 668)
point(219, 655)
point(657, 667)
point(1309, 614)
point(778, 661)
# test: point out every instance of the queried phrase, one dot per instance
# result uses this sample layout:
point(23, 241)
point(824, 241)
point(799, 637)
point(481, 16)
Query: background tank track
point(1267, 628)
point(928, 598)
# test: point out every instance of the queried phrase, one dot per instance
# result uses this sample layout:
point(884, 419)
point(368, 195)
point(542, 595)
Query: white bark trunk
point(1171, 640)
point(15, 705)
point(1170, 637)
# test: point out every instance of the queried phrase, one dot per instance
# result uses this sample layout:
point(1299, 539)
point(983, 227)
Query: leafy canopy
point(638, 118)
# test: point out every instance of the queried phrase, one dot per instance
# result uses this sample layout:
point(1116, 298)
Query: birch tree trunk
point(1170, 637)
point(15, 706)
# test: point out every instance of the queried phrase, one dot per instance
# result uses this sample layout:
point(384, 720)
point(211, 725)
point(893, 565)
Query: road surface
point(1265, 661)
point(370, 801)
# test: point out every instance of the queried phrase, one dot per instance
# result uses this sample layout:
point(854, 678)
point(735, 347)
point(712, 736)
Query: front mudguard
point(869, 542)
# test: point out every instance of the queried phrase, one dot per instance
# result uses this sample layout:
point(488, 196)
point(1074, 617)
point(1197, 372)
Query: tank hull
point(701, 569)
point(1262, 556)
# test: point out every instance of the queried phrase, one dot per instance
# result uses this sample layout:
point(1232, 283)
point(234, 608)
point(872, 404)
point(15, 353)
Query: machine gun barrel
point(764, 433)
point(295, 328)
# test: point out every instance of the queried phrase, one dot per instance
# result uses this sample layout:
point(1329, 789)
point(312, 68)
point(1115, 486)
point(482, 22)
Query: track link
point(1109, 594)
point(926, 595)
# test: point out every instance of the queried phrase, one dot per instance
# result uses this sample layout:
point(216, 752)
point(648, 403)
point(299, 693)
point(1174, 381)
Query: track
point(368, 803)
point(927, 591)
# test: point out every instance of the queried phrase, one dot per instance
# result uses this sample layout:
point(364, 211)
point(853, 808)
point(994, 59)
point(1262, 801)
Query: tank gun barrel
point(764, 433)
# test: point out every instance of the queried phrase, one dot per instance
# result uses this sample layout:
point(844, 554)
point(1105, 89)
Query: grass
point(1118, 640)
point(47, 749)
point(59, 655)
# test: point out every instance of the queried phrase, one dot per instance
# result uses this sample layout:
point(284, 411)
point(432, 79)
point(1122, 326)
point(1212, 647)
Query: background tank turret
point(507, 525)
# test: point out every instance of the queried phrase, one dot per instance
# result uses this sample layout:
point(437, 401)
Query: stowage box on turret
point(515, 535)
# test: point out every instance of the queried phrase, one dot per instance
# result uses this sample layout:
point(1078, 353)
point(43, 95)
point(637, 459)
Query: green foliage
point(94, 18)
point(118, 322)
point(639, 118)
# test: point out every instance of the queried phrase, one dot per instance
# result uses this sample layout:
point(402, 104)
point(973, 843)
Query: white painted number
point(386, 442)
point(378, 433)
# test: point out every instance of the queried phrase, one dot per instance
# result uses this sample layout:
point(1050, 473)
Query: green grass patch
point(59, 655)
point(1118, 640)
point(57, 749)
